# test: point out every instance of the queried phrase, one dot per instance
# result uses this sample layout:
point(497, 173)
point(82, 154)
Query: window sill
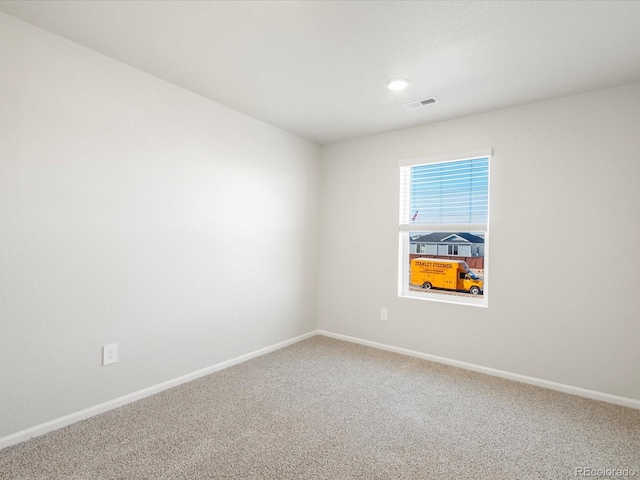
point(435, 296)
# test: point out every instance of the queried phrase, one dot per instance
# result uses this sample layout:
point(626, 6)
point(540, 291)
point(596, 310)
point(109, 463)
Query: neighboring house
point(448, 244)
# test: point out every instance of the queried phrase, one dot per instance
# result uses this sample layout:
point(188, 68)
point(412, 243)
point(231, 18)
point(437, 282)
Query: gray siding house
point(454, 244)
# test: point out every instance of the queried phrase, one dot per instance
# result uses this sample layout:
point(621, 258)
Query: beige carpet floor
point(327, 409)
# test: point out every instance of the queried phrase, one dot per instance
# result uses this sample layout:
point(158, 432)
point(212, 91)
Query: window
point(445, 200)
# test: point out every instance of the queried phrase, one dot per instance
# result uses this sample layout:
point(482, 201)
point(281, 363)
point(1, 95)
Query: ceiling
point(319, 68)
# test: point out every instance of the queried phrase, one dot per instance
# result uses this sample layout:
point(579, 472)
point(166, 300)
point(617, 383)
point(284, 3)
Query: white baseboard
point(61, 422)
point(561, 387)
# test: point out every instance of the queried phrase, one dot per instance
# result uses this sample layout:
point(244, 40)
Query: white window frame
point(405, 229)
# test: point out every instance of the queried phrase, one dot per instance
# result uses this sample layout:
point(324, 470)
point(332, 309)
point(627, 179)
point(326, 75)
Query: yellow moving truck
point(445, 274)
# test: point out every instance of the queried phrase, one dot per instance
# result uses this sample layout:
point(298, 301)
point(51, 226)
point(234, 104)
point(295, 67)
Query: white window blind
point(445, 194)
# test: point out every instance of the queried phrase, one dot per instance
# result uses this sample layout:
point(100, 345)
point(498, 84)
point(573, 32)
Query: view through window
point(444, 216)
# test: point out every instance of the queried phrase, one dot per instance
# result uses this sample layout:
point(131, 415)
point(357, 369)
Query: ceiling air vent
point(420, 103)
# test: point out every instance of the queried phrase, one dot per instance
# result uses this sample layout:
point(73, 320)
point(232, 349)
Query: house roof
point(448, 237)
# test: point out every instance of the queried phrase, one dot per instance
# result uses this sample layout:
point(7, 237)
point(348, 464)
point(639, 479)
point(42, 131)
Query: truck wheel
point(474, 290)
point(426, 285)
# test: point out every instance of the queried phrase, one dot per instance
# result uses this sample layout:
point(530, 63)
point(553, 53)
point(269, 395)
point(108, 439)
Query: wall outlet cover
point(110, 354)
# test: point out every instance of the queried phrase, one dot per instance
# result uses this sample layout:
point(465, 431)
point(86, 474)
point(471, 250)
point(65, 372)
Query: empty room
point(319, 239)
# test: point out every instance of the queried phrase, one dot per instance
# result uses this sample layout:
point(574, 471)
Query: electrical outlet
point(110, 354)
point(384, 314)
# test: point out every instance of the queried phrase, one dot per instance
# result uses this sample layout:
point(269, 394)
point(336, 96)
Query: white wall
point(133, 211)
point(564, 172)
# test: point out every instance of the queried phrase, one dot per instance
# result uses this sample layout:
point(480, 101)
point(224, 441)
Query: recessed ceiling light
point(397, 84)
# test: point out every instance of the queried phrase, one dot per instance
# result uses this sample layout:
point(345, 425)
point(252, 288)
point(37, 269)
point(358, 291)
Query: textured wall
point(564, 184)
point(133, 211)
